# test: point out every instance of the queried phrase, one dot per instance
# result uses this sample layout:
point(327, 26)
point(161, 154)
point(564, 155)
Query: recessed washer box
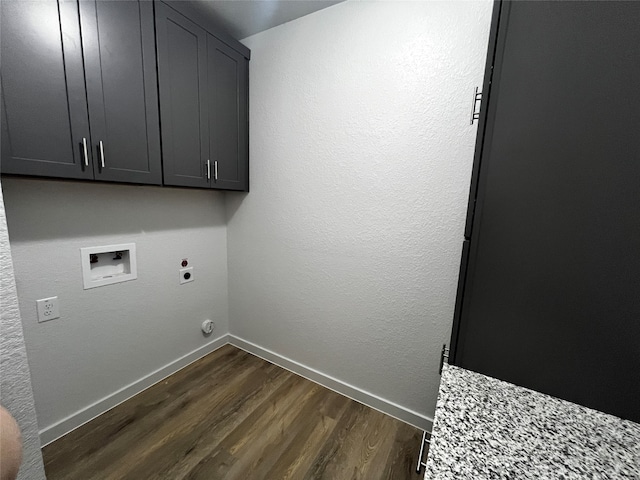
point(108, 264)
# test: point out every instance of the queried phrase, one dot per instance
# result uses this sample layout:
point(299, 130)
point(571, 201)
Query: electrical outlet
point(186, 275)
point(48, 309)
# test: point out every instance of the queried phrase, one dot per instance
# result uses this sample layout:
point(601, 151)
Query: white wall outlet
point(48, 309)
point(186, 275)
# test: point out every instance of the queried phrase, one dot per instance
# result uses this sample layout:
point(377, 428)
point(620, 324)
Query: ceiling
point(243, 18)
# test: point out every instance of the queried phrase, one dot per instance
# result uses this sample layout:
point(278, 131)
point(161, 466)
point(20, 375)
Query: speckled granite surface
point(489, 429)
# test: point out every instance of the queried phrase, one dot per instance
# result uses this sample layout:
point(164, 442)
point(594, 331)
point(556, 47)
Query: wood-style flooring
point(231, 415)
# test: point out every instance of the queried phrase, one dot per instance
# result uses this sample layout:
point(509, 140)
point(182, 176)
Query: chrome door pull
point(86, 153)
point(101, 154)
point(215, 170)
point(425, 441)
point(208, 170)
point(477, 102)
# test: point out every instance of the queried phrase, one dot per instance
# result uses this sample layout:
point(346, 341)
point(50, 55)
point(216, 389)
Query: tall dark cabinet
point(203, 102)
point(549, 292)
point(79, 90)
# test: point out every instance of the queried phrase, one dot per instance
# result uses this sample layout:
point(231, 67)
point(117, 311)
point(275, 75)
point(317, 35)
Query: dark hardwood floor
point(231, 415)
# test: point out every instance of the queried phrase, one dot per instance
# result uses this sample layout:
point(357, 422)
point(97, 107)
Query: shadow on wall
point(40, 209)
point(232, 203)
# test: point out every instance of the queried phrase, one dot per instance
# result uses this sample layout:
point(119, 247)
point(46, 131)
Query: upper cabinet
point(84, 85)
point(182, 70)
point(45, 123)
point(79, 94)
point(228, 116)
point(120, 67)
point(203, 103)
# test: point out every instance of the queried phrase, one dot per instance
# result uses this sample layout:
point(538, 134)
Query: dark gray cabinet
point(228, 116)
point(120, 68)
point(55, 124)
point(182, 71)
point(549, 287)
point(45, 121)
point(203, 85)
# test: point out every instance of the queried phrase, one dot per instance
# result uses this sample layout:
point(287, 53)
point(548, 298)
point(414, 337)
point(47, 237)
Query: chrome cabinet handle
point(424, 442)
point(477, 102)
point(86, 153)
point(101, 154)
point(208, 169)
point(215, 170)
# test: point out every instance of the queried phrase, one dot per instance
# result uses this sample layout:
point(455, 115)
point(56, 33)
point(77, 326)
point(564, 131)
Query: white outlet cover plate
point(188, 270)
point(48, 309)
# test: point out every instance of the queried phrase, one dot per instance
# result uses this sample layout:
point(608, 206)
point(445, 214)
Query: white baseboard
point(64, 426)
point(369, 399)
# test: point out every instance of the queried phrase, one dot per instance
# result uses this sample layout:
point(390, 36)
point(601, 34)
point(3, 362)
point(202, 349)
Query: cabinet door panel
point(228, 131)
point(118, 40)
point(182, 64)
point(44, 107)
point(551, 293)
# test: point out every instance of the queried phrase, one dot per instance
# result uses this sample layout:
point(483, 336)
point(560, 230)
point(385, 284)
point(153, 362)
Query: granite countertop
point(489, 429)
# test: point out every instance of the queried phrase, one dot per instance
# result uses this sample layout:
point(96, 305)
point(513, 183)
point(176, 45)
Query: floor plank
point(231, 415)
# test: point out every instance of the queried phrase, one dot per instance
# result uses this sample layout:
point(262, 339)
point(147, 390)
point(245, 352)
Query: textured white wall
point(344, 257)
point(15, 381)
point(112, 336)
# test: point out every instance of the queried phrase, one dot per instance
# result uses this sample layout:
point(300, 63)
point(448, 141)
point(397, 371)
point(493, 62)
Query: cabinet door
point(228, 119)
point(182, 76)
point(551, 298)
point(44, 110)
point(119, 51)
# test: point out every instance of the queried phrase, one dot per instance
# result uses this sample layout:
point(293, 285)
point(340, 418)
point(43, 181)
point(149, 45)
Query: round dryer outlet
point(207, 326)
